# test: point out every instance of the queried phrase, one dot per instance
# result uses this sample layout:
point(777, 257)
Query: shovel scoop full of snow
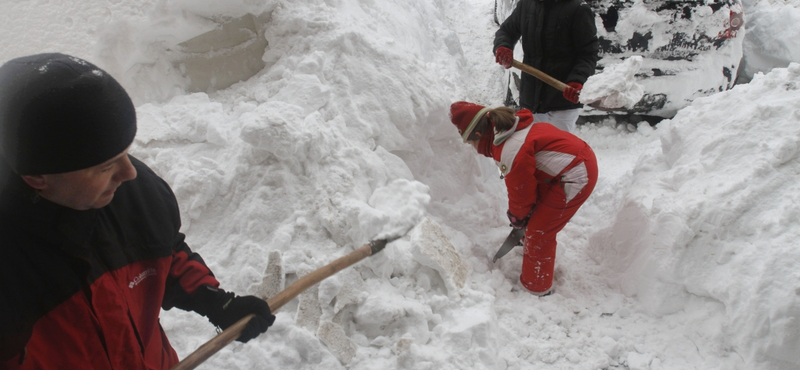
point(615, 87)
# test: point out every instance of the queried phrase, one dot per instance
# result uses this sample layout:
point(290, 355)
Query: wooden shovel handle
point(539, 74)
point(232, 333)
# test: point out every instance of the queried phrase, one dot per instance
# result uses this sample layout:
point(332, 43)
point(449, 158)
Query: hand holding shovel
point(232, 333)
point(560, 86)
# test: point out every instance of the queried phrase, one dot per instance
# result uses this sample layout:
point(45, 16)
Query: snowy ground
point(683, 258)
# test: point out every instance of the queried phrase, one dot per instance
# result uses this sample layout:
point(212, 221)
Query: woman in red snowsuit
point(549, 173)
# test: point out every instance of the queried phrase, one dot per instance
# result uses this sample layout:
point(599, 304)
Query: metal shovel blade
point(514, 239)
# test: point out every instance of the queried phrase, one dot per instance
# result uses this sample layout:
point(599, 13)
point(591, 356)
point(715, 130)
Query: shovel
point(232, 333)
point(546, 78)
point(512, 240)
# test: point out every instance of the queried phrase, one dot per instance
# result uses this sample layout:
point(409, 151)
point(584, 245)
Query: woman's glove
point(517, 223)
point(224, 309)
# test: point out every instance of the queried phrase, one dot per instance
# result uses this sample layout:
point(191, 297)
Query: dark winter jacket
point(84, 289)
point(559, 38)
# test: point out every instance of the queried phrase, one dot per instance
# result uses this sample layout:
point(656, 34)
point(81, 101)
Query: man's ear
point(37, 182)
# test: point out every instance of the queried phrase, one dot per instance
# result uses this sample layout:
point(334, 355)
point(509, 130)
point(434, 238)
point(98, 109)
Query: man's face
point(88, 188)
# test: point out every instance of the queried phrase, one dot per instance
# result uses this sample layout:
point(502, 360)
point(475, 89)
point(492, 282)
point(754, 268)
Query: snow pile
point(323, 151)
point(681, 259)
point(615, 87)
point(711, 219)
point(135, 41)
point(769, 43)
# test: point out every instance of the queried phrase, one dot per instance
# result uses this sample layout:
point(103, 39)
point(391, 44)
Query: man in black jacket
point(559, 38)
point(90, 236)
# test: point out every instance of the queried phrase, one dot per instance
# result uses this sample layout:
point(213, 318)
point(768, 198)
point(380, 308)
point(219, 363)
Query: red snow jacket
point(536, 156)
point(84, 289)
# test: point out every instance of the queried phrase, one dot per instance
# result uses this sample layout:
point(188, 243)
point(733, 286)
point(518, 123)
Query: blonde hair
point(502, 117)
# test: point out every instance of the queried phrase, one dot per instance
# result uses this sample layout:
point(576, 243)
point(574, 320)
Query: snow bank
point(135, 41)
point(332, 145)
point(712, 217)
point(768, 42)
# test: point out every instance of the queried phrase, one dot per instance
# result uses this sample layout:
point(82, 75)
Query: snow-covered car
point(690, 48)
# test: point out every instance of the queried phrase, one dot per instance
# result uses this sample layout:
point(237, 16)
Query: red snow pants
point(552, 212)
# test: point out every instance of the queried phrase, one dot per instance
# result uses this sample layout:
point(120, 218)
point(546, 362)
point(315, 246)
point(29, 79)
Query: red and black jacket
point(84, 289)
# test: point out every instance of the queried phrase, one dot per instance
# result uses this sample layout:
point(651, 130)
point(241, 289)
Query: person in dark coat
point(89, 234)
point(559, 38)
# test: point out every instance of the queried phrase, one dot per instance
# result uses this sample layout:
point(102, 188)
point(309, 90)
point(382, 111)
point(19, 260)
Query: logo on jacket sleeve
point(144, 275)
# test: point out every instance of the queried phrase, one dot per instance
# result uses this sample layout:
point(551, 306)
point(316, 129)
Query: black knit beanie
point(59, 114)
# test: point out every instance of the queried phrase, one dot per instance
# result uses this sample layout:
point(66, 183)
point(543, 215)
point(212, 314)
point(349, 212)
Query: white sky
point(683, 258)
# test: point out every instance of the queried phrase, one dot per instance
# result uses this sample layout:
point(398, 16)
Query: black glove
point(517, 223)
point(224, 309)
